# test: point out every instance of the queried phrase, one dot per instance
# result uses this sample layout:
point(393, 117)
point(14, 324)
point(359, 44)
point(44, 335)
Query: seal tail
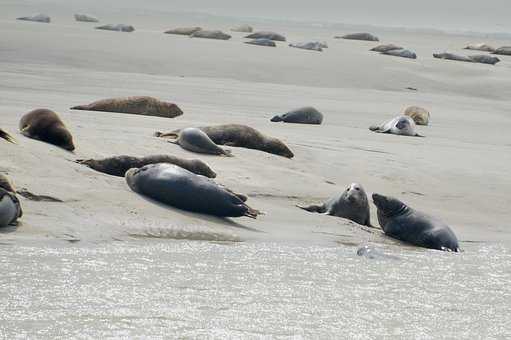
point(313, 208)
point(79, 107)
point(374, 128)
point(7, 137)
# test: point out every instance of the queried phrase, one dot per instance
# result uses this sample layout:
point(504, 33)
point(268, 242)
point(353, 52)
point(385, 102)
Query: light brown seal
point(45, 125)
point(419, 115)
point(140, 105)
point(480, 47)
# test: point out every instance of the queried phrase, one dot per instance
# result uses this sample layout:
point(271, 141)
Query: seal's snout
point(401, 124)
point(276, 119)
point(378, 199)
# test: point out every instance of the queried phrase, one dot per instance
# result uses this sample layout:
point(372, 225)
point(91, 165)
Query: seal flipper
point(79, 107)
point(419, 135)
point(379, 129)
point(227, 153)
point(7, 136)
point(174, 135)
point(276, 118)
point(314, 208)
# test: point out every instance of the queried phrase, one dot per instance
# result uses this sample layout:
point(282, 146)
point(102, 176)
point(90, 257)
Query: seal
point(183, 30)
point(385, 48)
point(243, 29)
point(219, 35)
point(10, 208)
point(352, 204)
point(419, 115)
point(117, 166)
point(401, 125)
point(118, 28)
point(504, 50)
point(480, 47)
point(37, 18)
point(178, 187)
point(403, 53)
point(312, 45)
point(266, 35)
point(196, 140)
point(303, 115)
point(6, 184)
point(139, 105)
point(242, 136)
point(451, 56)
point(45, 125)
point(262, 42)
point(85, 18)
point(401, 222)
point(7, 136)
point(484, 59)
point(359, 36)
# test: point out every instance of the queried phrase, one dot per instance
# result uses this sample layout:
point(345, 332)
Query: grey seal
point(139, 105)
point(196, 140)
point(37, 18)
point(266, 35)
point(183, 30)
point(311, 45)
point(359, 36)
point(262, 42)
point(403, 53)
point(117, 28)
point(180, 188)
point(401, 222)
point(303, 115)
point(243, 29)
point(400, 125)
point(484, 59)
point(7, 136)
point(480, 47)
point(386, 48)
point(419, 115)
point(242, 136)
point(45, 125)
point(451, 56)
point(10, 208)
point(117, 166)
point(504, 50)
point(351, 204)
point(85, 18)
point(206, 34)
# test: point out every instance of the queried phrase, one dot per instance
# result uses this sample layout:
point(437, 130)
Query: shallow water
point(155, 289)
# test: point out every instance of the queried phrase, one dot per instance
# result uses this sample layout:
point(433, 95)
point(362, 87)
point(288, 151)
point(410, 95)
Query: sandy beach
point(459, 172)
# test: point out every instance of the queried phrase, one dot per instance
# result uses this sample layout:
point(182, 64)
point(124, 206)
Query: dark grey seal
point(505, 50)
point(386, 48)
point(374, 254)
point(359, 36)
point(10, 208)
point(266, 35)
point(7, 136)
point(178, 187)
point(403, 53)
point(451, 56)
point(406, 224)
point(196, 140)
point(183, 30)
point(85, 18)
point(118, 28)
point(312, 45)
point(117, 166)
point(484, 59)
point(262, 42)
point(303, 115)
point(36, 18)
point(219, 35)
point(351, 204)
point(242, 136)
point(401, 125)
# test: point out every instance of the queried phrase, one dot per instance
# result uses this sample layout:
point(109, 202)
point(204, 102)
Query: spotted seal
point(303, 115)
point(400, 125)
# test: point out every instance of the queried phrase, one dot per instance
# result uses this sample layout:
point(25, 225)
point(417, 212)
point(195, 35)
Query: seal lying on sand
point(45, 125)
point(7, 136)
point(243, 29)
point(419, 115)
point(178, 187)
point(312, 45)
point(303, 115)
point(10, 208)
point(403, 53)
point(37, 18)
point(183, 30)
point(219, 35)
point(351, 204)
point(266, 35)
point(359, 36)
point(262, 42)
point(117, 166)
point(118, 28)
point(386, 48)
point(85, 18)
point(406, 224)
point(451, 56)
point(505, 50)
point(484, 59)
point(401, 125)
point(196, 140)
point(480, 47)
point(242, 136)
point(141, 105)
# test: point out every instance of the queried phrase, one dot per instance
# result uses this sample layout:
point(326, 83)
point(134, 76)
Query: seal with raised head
point(266, 35)
point(351, 204)
point(196, 140)
point(504, 50)
point(138, 105)
point(401, 222)
point(303, 115)
point(45, 125)
point(85, 18)
point(37, 18)
point(403, 53)
point(10, 208)
point(484, 59)
point(117, 166)
point(480, 47)
point(242, 136)
point(419, 115)
point(207, 34)
point(178, 187)
point(401, 125)
point(452, 56)
point(311, 45)
point(7, 136)
point(359, 36)
point(262, 42)
point(386, 48)
point(117, 28)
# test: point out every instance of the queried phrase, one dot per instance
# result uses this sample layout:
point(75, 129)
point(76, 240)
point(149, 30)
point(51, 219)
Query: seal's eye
point(357, 189)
